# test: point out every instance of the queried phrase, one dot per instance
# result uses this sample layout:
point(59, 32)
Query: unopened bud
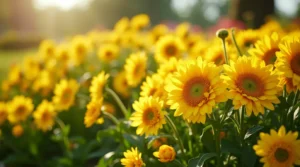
point(222, 33)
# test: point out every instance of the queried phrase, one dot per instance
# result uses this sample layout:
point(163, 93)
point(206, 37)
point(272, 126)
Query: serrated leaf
point(200, 160)
point(252, 131)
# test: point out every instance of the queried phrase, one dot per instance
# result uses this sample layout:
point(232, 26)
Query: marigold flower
point(165, 153)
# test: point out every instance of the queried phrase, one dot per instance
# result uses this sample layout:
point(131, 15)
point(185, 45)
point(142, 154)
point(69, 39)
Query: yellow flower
point(64, 94)
point(97, 86)
point(44, 116)
point(148, 116)
point(63, 54)
point(135, 68)
point(122, 25)
point(47, 49)
point(108, 107)
point(165, 153)
point(169, 46)
point(157, 32)
point(216, 54)
point(266, 48)
point(182, 30)
point(288, 83)
point(120, 84)
point(153, 86)
point(93, 112)
point(80, 46)
point(139, 22)
point(199, 49)
point(17, 130)
point(251, 84)
point(247, 38)
point(32, 67)
point(195, 89)
point(288, 60)
point(108, 52)
point(158, 142)
point(14, 75)
point(43, 84)
point(19, 109)
point(3, 112)
point(133, 158)
point(168, 68)
point(278, 149)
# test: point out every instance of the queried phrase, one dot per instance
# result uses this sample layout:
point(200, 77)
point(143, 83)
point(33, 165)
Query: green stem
point(235, 43)
point(62, 126)
point(177, 136)
point(225, 52)
point(243, 110)
point(296, 97)
point(217, 142)
point(118, 100)
point(293, 110)
point(111, 117)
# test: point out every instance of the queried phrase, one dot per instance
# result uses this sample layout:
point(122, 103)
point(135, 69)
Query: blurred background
point(24, 23)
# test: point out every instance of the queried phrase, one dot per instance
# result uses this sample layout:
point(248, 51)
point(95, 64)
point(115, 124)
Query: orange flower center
point(281, 155)
point(250, 84)
point(21, 110)
point(170, 50)
point(295, 64)
point(194, 89)
point(80, 50)
point(270, 56)
point(150, 116)
point(108, 54)
point(219, 59)
point(46, 116)
point(66, 96)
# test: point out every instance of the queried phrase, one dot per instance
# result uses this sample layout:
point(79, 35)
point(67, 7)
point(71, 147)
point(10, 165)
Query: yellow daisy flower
point(133, 158)
point(93, 113)
point(169, 46)
point(44, 116)
point(139, 22)
point(122, 25)
point(64, 94)
point(165, 153)
point(216, 54)
point(120, 84)
point(247, 38)
point(195, 89)
point(167, 68)
point(182, 30)
point(288, 60)
point(80, 46)
point(278, 149)
point(108, 52)
point(252, 84)
point(44, 83)
point(198, 49)
point(97, 86)
point(153, 86)
point(47, 49)
point(14, 75)
point(63, 54)
point(148, 116)
point(135, 68)
point(266, 48)
point(157, 32)
point(19, 109)
point(32, 68)
point(3, 112)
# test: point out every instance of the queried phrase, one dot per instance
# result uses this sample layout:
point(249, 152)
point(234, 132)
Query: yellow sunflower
point(14, 75)
point(266, 48)
point(278, 149)
point(44, 116)
point(108, 52)
point(199, 49)
point(148, 116)
point(182, 30)
point(216, 54)
point(31, 67)
point(47, 50)
point(120, 84)
point(63, 54)
point(251, 83)
point(139, 22)
point(289, 60)
point(93, 113)
point(122, 25)
point(64, 94)
point(153, 86)
point(80, 46)
point(19, 109)
point(157, 32)
point(133, 158)
point(195, 89)
point(169, 46)
point(97, 86)
point(135, 68)
point(43, 84)
point(3, 112)
point(247, 38)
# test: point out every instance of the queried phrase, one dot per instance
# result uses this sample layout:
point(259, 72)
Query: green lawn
point(9, 57)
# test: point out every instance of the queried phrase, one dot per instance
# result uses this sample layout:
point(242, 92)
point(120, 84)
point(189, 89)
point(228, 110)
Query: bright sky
point(62, 4)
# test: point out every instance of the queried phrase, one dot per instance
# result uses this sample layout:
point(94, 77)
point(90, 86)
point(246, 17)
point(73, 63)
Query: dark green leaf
point(230, 147)
point(248, 156)
point(253, 130)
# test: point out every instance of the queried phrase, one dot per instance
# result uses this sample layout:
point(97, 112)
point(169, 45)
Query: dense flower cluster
point(169, 86)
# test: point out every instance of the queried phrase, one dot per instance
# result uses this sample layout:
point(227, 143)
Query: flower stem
point(235, 43)
point(218, 144)
point(296, 97)
point(110, 116)
point(243, 110)
point(225, 52)
point(118, 100)
point(177, 136)
point(62, 126)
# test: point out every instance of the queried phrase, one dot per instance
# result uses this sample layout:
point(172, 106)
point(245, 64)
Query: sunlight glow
point(61, 4)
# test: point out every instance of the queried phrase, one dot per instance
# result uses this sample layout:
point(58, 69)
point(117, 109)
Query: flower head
point(133, 158)
point(135, 68)
point(108, 52)
point(19, 109)
point(3, 112)
point(44, 116)
point(93, 113)
point(165, 153)
point(97, 86)
point(17, 130)
point(278, 149)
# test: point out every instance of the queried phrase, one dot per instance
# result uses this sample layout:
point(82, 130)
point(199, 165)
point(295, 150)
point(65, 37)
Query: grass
point(10, 57)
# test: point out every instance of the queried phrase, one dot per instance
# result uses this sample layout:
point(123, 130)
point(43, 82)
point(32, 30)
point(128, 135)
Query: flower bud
point(165, 153)
point(222, 33)
point(17, 131)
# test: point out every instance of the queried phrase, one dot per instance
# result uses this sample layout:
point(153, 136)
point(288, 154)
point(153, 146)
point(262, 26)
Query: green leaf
point(109, 132)
point(200, 160)
point(207, 139)
point(252, 131)
point(248, 157)
point(230, 147)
